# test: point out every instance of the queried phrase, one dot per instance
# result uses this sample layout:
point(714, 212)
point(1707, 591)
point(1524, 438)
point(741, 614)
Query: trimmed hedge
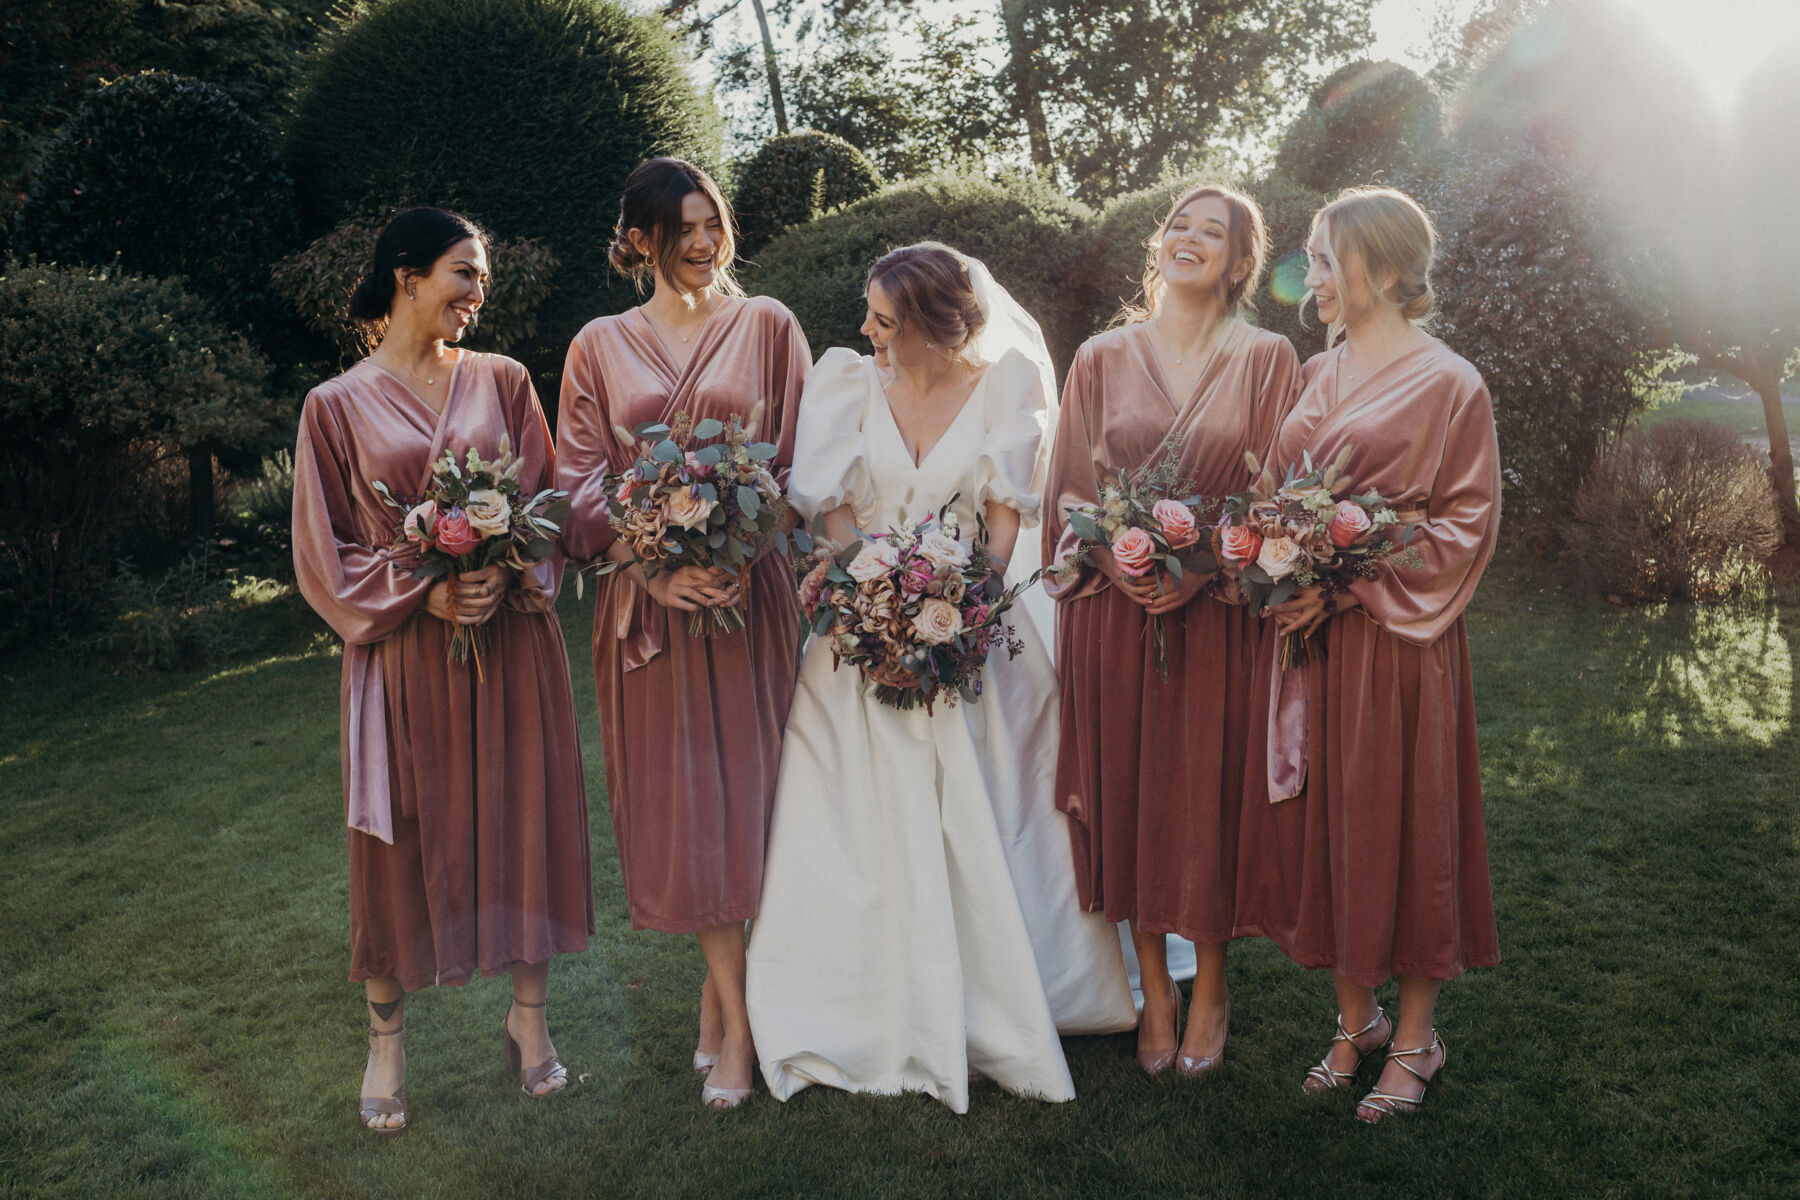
point(526, 115)
point(795, 177)
point(1029, 235)
point(1364, 124)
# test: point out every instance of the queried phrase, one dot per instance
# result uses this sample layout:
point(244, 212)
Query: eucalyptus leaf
point(1084, 527)
point(848, 554)
point(709, 428)
point(666, 451)
point(539, 548)
point(1281, 593)
point(650, 429)
point(709, 492)
point(748, 500)
point(803, 540)
point(760, 451)
point(1172, 565)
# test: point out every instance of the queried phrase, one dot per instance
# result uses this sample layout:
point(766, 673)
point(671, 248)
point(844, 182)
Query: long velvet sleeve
point(1071, 482)
point(1277, 388)
point(586, 445)
point(360, 589)
point(790, 360)
point(538, 585)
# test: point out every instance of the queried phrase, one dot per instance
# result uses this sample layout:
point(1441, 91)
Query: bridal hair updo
point(1246, 237)
point(651, 204)
point(413, 241)
point(1396, 241)
point(931, 291)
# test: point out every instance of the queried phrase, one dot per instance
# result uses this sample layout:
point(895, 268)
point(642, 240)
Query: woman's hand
point(477, 594)
point(438, 601)
point(692, 588)
point(1305, 611)
point(1175, 595)
point(1141, 589)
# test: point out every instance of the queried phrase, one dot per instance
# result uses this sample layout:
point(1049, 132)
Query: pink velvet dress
point(465, 797)
point(1379, 866)
point(691, 725)
point(1152, 772)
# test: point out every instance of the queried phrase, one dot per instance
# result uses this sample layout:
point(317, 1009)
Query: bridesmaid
point(1386, 851)
point(467, 809)
point(1151, 771)
point(691, 725)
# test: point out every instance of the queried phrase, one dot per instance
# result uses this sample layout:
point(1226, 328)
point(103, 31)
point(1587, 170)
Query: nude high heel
point(1156, 1062)
point(531, 1077)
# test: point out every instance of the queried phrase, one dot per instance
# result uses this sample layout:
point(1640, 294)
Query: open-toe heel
point(530, 1077)
point(372, 1108)
point(1386, 1104)
point(1329, 1079)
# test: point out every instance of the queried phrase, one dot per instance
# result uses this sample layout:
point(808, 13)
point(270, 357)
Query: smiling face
point(689, 262)
point(1195, 251)
point(446, 298)
point(1339, 281)
point(896, 345)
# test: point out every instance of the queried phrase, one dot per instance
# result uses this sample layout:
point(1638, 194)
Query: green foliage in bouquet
point(795, 177)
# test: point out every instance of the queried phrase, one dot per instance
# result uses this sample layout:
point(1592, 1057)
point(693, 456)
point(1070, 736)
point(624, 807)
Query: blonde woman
point(1385, 846)
point(1151, 771)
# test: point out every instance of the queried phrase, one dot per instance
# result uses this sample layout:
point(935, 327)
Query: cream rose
point(1278, 557)
point(941, 550)
point(938, 621)
point(875, 560)
point(488, 512)
point(687, 510)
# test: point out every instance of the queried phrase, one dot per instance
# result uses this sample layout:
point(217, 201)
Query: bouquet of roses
point(473, 515)
point(1305, 530)
point(715, 507)
point(916, 609)
point(1144, 519)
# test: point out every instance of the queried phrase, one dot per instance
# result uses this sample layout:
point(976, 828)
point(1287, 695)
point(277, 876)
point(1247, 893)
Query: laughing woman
point(1386, 850)
point(1151, 771)
point(468, 818)
point(691, 725)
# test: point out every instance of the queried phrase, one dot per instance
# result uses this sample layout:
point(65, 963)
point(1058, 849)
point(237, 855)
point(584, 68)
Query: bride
point(919, 923)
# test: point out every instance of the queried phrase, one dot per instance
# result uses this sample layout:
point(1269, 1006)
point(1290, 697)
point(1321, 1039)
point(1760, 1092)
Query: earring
point(412, 295)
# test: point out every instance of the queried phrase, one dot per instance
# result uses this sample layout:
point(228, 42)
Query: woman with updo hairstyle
point(1152, 768)
point(463, 783)
point(1376, 845)
point(691, 725)
point(919, 921)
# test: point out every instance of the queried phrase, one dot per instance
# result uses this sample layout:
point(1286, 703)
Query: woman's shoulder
point(1459, 371)
point(842, 380)
point(500, 366)
point(766, 309)
point(1109, 343)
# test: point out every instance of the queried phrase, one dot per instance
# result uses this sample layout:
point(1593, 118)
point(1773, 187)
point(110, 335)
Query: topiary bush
point(1029, 235)
point(163, 175)
point(1367, 122)
point(1681, 510)
point(795, 177)
point(526, 115)
point(108, 377)
point(318, 280)
point(1288, 208)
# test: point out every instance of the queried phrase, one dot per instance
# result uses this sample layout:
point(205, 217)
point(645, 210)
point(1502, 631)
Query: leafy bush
point(106, 377)
point(166, 176)
point(526, 115)
point(1681, 510)
point(1364, 124)
point(1027, 233)
point(1288, 207)
point(796, 177)
point(318, 280)
point(191, 615)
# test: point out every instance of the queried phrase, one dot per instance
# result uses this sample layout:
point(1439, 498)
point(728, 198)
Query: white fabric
point(918, 918)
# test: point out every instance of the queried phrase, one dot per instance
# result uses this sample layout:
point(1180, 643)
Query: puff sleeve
point(1015, 415)
point(831, 461)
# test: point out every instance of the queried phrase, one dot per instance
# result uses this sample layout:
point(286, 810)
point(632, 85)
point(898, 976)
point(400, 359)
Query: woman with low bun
point(466, 805)
point(1381, 853)
point(691, 725)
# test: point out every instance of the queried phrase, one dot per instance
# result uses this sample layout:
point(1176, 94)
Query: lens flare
point(1287, 282)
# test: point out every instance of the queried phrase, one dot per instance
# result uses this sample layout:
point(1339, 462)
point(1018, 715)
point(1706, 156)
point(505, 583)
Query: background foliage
point(795, 177)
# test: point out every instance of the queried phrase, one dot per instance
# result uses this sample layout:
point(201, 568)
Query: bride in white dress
point(918, 922)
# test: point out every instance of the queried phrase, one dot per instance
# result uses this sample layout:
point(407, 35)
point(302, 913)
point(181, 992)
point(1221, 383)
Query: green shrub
point(526, 115)
point(318, 280)
point(161, 175)
point(794, 178)
point(1027, 233)
point(1288, 208)
point(106, 378)
point(1678, 511)
point(1366, 123)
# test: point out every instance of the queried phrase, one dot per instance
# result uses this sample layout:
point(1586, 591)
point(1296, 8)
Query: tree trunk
point(1022, 81)
point(1767, 382)
point(202, 510)
point(762, 22)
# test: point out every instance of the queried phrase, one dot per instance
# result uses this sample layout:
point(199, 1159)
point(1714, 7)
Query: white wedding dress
point(919, 922)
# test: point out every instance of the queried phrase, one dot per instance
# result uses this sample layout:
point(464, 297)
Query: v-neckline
point(680, 370)
point(1179, 406)
point(918, 464)
point(1342, 397)
point(449, 385)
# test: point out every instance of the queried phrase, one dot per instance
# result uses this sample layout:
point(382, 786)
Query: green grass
point(1742, 414)
point(175, 1019)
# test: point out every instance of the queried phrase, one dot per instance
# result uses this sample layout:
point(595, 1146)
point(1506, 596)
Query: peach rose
point(812, 588)
point(687, 509)
point(938, 621)
point(1134, 552)
point(453, 535)
point(875, 560)
point(942, 550)
point(1279, 556)
point(1177, 521)
point(1240, 543)
point(488, 513)
point(1350, 524)
point(420, 515)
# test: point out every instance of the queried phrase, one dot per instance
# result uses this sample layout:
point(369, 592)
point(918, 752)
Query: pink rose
point(1240, 543)
point(420, 517)
point(453, 535)
point(1134, 552)
point(623, 495)
point(1350, 524)
point(917, 577)
point(1177, 521)
point(938, 621)
point(812, 588)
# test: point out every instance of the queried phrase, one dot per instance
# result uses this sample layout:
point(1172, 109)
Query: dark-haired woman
point(464, 792)
point(1151, 771)
point(691, 725)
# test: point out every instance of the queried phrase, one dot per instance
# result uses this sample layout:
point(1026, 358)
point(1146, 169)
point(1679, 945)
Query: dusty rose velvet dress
point(691, 725)
point(468, 811)
point(1379, 868)
point(1152, 773)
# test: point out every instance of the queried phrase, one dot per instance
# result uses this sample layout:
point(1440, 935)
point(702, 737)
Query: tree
point(1368, 122)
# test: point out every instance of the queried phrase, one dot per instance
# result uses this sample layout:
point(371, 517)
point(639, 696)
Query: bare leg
point(723, 947)
point(1418, 1011)
point(1357, 1007)
point(529, 1026)
point(1209, 1011)
point(712, 1019)
point(385, 1072)
point(1157, 1023)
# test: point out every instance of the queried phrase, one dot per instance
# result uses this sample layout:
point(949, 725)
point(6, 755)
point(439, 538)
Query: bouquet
point(1305, 531)
point(715, 507)
point(917, 609)
point(1146, 523)
point(473, 515)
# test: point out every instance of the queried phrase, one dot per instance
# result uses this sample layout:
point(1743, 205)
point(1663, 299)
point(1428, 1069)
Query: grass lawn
point(175, 1021)
point(1733, 404)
